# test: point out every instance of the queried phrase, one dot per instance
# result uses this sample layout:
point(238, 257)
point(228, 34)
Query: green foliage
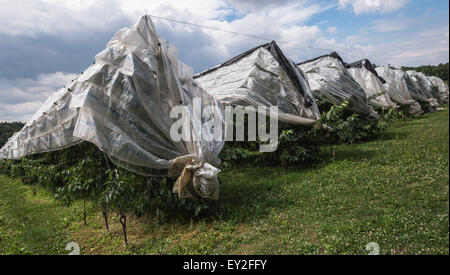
point(440, 70)
point(296, 145)
point(5, 166)
point(27, 170)
point(323, 104)
point(300, 144)
point(81, 172)
point(387, 116)
point(126, 192)
point(232, 152)
point(338, 126)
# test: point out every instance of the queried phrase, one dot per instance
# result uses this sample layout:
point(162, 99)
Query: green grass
point(33, 224)
point(393, 192)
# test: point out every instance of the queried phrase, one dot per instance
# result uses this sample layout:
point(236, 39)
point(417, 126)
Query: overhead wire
point(253, 36)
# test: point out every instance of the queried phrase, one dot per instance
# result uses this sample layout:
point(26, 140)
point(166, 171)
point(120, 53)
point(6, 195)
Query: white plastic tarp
point(263, 76)
point(330, 80)
point(424, 84)
point(442, 88)
point(366, 76)
point(122, 104)
point(413, 86)
point(397, 89)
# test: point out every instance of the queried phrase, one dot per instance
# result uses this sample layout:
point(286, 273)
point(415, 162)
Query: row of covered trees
point(440, 70)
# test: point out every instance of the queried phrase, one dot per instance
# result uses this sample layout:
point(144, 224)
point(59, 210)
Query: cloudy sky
point(45, 43)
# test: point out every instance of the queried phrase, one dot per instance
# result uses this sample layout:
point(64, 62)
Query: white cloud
point(420, 48)
point(34, 17)
point(391, 25)
point(371, 6)
point(275, 22)
point(283, 20)
point(21, 97)
point(332, 30)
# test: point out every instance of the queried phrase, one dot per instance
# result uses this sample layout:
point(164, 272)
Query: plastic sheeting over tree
point(424, 84)
point(330, 81)
point(122, 104)
point(397, 89)
point(442, 88)
point(366, 76)
point(413, 86)
point(263, 76)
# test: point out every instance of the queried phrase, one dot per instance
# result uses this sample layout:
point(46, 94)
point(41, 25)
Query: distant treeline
point(440, 70)
point(7, 130)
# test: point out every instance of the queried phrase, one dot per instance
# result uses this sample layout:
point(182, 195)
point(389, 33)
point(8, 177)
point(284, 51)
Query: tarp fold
point(330, 81)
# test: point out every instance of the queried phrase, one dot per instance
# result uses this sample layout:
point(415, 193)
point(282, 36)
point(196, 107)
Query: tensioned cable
point(248, 35)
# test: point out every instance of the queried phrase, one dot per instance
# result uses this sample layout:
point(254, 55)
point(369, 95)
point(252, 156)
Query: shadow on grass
point(395, 135)
point(249, 191)
point(352, 154)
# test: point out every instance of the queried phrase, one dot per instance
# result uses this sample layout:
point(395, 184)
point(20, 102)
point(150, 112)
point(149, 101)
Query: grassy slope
point(392, 191)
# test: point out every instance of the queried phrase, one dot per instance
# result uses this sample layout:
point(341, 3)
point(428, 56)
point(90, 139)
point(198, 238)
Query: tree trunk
point(123, 221)
point(105, 216)
point(84, 212)
point(333, 152)
point(284, 162)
